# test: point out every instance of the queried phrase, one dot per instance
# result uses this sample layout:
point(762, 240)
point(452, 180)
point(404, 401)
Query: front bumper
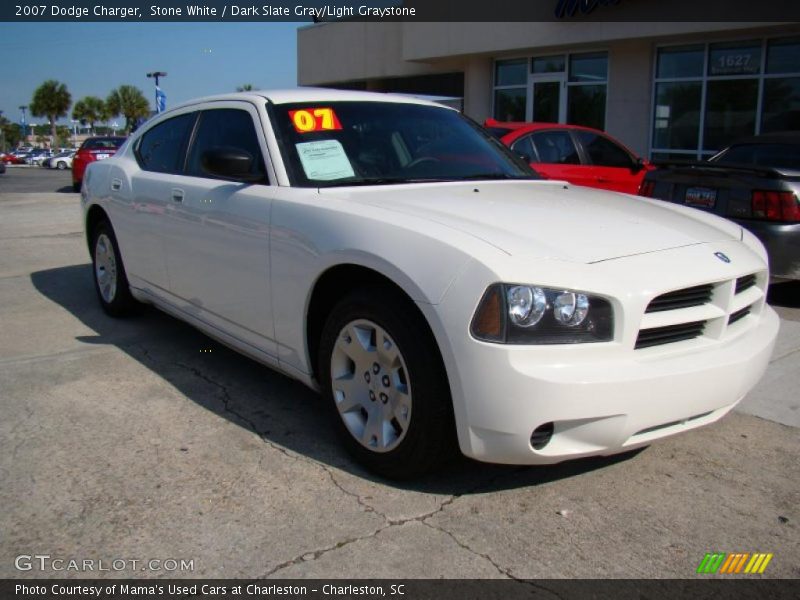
point(607, 398)
point(607, 406)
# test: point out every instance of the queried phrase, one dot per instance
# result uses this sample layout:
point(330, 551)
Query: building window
point(708, 95)
point(555, 89)
point(511, 89)
point(586, 89)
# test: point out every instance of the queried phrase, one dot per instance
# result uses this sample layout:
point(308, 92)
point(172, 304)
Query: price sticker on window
point(314, 119)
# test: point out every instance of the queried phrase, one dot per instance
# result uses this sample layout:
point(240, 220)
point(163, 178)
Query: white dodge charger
point(389, 253)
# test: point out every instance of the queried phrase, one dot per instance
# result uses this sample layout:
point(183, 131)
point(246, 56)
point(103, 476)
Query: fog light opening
point(541, 436)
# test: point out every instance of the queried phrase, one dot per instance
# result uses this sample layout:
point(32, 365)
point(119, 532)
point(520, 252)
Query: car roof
point(312, 94)
point(778, 137)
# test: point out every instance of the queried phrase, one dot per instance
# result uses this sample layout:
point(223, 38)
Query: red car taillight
point(776, 206)
point(647, 188)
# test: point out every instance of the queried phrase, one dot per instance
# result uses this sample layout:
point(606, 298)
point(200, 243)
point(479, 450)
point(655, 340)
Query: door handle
point(177, 195)
point(116, 184)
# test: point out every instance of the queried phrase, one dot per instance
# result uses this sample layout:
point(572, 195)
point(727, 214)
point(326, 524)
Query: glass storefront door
point(547, 100)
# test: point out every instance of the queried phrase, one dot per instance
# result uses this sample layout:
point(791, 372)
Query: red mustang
point(580, 155)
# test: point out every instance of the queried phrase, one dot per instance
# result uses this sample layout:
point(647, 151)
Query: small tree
point(11, 133)
point(129, 102)
point(90, 110)
point(51, 100)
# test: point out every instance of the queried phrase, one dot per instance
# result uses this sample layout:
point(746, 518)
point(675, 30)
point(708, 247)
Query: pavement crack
point(357, 497)
point(503, 571)
point(782, 356)
point(313, 555)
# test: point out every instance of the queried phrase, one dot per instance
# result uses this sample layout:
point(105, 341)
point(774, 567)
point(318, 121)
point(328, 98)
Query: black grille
point(693, 296)
point(739, 314)
point(745, 282)
point(658, 336)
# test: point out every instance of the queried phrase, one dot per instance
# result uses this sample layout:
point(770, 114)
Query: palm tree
point(128, 101)
point(51, 100)
point(90, 110)
point(247, 87)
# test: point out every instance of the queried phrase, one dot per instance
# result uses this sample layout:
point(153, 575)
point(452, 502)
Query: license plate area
point(101, 156)
point(701, 197)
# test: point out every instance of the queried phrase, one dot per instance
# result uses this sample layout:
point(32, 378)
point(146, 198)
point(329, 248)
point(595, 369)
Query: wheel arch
point(334, 284)
point(94, 215)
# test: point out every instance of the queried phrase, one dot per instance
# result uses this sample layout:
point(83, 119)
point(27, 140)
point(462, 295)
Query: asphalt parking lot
point(143, 439)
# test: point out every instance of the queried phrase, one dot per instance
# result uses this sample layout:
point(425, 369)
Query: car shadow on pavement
point(283, 412)
point(784, 293)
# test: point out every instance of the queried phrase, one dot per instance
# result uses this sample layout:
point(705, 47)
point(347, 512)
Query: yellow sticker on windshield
point(314, 119)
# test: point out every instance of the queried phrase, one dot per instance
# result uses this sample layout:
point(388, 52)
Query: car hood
point(548, 219)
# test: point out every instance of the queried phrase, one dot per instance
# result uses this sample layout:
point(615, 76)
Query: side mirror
point(638, 165)
point(230, 163)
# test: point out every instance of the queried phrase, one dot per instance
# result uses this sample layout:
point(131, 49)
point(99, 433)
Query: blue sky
point(94, 58)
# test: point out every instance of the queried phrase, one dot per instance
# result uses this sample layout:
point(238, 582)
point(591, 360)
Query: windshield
point(364, 143)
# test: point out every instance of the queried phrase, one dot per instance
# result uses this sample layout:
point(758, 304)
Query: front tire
point(110, 279)
point(383, 376)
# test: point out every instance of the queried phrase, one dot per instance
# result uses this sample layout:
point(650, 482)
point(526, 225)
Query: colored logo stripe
point(733, 563)
point(758, 563)
point(711, 562)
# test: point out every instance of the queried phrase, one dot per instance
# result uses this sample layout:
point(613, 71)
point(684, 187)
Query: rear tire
point(61, 165)
point(110, 279)
point(383, 377)
point(76, 186)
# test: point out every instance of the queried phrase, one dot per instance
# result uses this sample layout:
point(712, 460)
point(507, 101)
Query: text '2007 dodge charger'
point(388, 252)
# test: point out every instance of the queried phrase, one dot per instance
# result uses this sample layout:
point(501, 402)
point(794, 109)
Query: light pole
point(75, 132)
point(2, 134)
point(161, 98)
point(24, 125)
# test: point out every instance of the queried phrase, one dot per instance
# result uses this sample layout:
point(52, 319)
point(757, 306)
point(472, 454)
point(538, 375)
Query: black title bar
point(402, 10)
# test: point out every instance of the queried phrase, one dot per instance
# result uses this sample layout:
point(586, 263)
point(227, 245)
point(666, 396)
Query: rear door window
point(555, 147)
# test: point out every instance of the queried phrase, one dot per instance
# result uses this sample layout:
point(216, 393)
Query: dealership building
point(667, 90)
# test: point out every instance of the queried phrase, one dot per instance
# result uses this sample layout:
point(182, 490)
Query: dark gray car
point(754, 182)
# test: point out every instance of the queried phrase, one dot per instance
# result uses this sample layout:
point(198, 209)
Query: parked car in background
point(755, 182)
point(37, 155)
point(60, 161)
point(16, 158)
point(388, 252)
point(579, 155)
point(92, 149)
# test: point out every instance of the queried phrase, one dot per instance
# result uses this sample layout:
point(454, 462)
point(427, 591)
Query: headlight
point(528, 314)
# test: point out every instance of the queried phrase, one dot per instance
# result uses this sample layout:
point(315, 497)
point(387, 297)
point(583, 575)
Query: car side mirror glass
point(230, 163)
point(638, 165)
